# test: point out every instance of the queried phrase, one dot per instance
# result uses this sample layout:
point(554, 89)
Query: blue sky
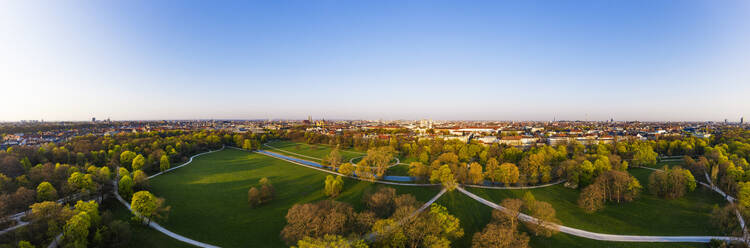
point(499, 60)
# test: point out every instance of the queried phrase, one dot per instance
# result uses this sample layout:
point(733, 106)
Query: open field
point(209, 197)
point(647, 215)
point(474, 217)
point(141, 235)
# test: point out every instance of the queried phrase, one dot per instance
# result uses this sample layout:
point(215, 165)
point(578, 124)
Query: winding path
point(602, 236)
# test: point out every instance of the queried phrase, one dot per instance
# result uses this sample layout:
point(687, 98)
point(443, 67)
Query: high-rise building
point(93, 119)
point(741, 120)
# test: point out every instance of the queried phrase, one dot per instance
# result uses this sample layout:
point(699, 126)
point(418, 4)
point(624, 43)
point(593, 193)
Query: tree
point(253, 197)
point(330, 241)
point(592, 198)
point(382, 202)
point(164, 163)
point(46, 192)
point(743, 194)
point(476, 176)
point(148, 206)
point(499, 236)
point(644, 155)
point(247, 145)
point(76, 231)
point(82, 182)
point(315, 220)
point(512, 211)
point(333, 185)
point(92, 210)
point(126, 158)
point(25, 244)
point(725, 219)
point(125, 186)
point(140, 179)
point(444, 175)
point(419, 170)
point(346, 169)
point(507, 173)
point(122, 172)
point(334, 158)
point(491, 170)
point(138, 162)
point(671, 182)
point(544, 214)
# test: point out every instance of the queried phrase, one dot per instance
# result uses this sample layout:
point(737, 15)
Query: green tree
point(76, 231)
point(82, 182)
point(346, 169)
point(92, 210)
point(743, 194)
point(492, 169)
point(476, 176)
point(334, 158)
point(330, 241)
point(333, 186)
point(253, 197)
point(46, 192)
point(247, 145)
point(507, 173)
point(138, 162)
point(125, 186)
point(148, 206)
point(25, 244)
point(164, 163)
point(140, 179)
point(444, 175)
point(126, 158)
point(121, 172)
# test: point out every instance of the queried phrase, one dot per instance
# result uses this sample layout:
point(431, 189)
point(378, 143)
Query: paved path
point(513, 187)
point(602, 236)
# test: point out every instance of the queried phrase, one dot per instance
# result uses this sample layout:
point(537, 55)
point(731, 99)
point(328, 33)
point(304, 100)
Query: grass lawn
point(141, 236)
point(647, 215)
point(474, 217)
point(209, 197)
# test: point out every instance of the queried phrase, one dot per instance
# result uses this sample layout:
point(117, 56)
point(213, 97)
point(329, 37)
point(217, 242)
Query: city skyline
point(638, 60)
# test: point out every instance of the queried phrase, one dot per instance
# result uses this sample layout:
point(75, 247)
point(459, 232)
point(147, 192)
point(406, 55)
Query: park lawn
point(141, 235)
point(313, 150)
point(209, 197)
point(475, 216)
point(647, 215)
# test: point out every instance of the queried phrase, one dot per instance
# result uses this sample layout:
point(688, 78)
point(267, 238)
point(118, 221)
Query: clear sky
point(499, 60)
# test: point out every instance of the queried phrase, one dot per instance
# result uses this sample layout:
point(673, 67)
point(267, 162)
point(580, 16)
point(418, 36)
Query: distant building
point(93, 119)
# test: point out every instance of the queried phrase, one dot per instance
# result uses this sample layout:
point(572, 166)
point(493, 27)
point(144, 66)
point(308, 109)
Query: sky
point(654, 60)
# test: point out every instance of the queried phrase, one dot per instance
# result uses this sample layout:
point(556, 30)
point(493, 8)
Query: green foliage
point(46, 192)
point(82, 182)
point(330, 241)
point(444, 175)
point(138, 162)
point(125, 186)
point(333, 186)
point(25, 244)
point(164, 163)
point(126, 158)
point(76, 231)
point(346, 169)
